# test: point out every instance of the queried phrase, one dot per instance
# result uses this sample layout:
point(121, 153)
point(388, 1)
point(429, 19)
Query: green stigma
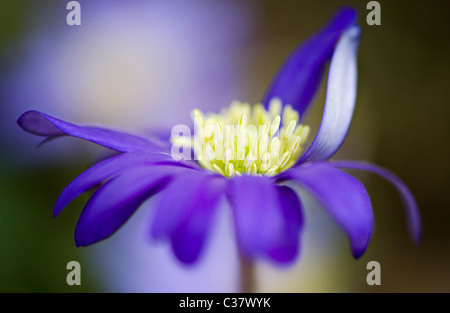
point(242, 139)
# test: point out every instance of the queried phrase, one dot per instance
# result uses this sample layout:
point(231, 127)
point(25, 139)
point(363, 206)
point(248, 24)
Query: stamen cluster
point(242, 139)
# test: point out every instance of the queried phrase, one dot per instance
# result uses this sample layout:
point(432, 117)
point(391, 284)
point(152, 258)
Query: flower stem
point(247, 274)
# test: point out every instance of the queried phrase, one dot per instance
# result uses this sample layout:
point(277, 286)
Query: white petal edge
point(340, 98)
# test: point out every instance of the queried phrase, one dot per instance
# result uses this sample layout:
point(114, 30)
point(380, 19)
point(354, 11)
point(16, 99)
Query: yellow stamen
point(245, 140)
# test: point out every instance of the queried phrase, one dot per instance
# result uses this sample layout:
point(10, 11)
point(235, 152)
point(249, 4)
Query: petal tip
point(417, 239)
point(358, 253)
point(185, 254)
point(186, 260)
point(56, 212)
point(347, 13)
point(82, 241)
point(286, 259)
point(21, 121)
point(59, 206)
point(354, 32)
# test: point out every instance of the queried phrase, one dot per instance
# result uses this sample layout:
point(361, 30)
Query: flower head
point(248, 163)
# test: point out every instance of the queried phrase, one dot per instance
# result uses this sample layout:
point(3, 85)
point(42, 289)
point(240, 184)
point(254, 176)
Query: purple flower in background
point(121, 67)
point(254, 171)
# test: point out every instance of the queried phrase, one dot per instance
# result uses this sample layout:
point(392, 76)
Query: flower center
point(248, 140)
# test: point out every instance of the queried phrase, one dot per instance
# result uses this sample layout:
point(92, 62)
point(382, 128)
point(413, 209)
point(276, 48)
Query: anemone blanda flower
point(250, 169)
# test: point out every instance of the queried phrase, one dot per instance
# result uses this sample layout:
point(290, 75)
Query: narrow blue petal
point(409, 202)
point(340, 99)
point(41, 124)
point(114, 202)
point(268, 218)
point(107, 169)
point(298, 79)
point(291, 208)
point(185, 212)
point(343, 197)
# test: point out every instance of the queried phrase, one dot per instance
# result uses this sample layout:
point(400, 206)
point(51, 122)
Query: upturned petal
point(268, 218)
point(298, 80)
point(409, 202)
point(340, 99)
point(41, 124)
point(114, 202)
point(185, 212)
point(343, 197)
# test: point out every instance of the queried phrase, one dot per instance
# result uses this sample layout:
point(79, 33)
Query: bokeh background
point(146, 64)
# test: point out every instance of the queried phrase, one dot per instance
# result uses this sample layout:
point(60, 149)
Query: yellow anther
point(228, 156)
point(289, 164)
point(263, 144)
point(240, 152)
point(266, 128)
point(229, 137)
point(259, 114)
point(289, 114)
point(290, 129)
point(265, 161)
point(197, 116)
point(219, 126)
point(242, 122)
point(229, 170)
point(218, 169)
point(303, 134)
point(272, 171)
point(294, 143)
point(253, 169)
point(275, 107)
point(274, 147)
point(275, 125)
point(241, 141)
point(209, 153)
point(249, 160)
point(284, 158)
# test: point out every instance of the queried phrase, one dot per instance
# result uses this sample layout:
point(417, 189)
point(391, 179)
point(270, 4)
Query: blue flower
point(250, 169)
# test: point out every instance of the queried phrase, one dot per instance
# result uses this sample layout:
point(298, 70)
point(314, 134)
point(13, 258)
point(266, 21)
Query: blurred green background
point(401, 122)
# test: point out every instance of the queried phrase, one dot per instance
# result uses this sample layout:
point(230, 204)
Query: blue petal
point(186, 211)
point(298, 80)
point(41, 124)
point(344, 198)
point(114, 202)
point(410, 204)
point(340, 100)
point(268, 218)
point(107, 169)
